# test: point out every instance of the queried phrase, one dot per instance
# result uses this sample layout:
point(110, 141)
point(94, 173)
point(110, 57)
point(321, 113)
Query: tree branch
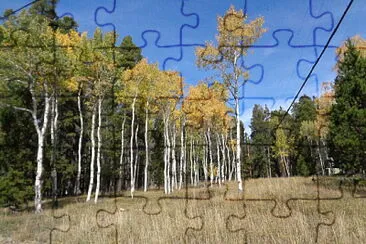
point(17, 108)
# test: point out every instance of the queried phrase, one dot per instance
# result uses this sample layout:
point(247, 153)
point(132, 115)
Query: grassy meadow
point(207, 215)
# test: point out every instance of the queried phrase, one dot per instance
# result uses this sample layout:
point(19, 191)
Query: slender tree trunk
point(182, 155)
point(38, 183)
point(287, 167)
point(228, 167)
point(210, 156)
point(238, 146)
point(54, 120)
point(99, 139)
point(218, 158)
point(232, 162)
point(41, 135)
point(131, 147)
point(168, 158)
point(284, 166)
point(92, 138)
point(223, 158)
point(166, 155)
point(195, 168)
point(77, 184)
point(185, 160)
point(136, 165)
point(146, 145)
point(191, 161)
point(119, 184)
point(320, 158)
point(249, 158)
point(269, 163)
point(204, 161)
point(326, 154)
point(174, 161)
point(165, 160)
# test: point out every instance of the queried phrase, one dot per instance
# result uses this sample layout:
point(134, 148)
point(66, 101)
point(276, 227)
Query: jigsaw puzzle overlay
point(205, 212)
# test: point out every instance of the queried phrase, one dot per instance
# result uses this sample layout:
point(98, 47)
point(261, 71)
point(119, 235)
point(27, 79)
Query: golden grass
point(219, 221)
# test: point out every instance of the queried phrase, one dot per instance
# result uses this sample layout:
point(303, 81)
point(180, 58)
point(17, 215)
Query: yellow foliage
point(324, 104)
point(206, 106)
point(357, 41)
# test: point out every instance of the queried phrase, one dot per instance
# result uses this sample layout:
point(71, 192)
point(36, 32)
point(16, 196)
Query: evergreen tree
point(347, 133)
point(47, 8)
point(303, 111)
point(260, 137)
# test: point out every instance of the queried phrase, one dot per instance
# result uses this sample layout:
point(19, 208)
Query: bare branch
point(17, 108)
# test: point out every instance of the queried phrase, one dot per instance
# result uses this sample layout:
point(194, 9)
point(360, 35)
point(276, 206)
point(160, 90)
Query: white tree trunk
point(185, 180)
point(99, 139)
point(204, 159)
point(146, 144)
point(223, 158)
point(174, 161)
point(326, 154)
point(165, 164)
point(136, 154)
point(218, 158)
point(167, 180)
point(269, 163)
point(191, 160)
point(54, 120)
point(168, 157)
point(228, 170)
point(210, 156)
point(77, 187)
point(231, 159)
point(92, 138)
point(38, 183)
point(286, 166)
point(131, 147)
point(238, 146)
point(41, 135)
point(195, 168)
point(119, 187)
point(182, 156)
point(320, 158)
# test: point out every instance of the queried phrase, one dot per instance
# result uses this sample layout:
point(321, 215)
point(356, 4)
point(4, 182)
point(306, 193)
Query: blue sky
point(170, 30)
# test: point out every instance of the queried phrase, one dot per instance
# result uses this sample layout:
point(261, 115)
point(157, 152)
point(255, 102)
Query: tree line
point(84, 114)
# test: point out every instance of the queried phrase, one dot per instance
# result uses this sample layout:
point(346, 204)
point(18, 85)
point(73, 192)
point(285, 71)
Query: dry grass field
point(277, 210)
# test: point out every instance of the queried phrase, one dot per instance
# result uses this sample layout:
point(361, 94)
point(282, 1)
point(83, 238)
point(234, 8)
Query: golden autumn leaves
point(234, 37)
point(206, 106)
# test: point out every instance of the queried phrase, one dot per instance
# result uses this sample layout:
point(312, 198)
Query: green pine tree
point(348, 115)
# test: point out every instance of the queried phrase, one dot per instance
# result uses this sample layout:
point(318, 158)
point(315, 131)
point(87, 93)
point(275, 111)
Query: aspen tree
point(234, 38)
point(35, 68)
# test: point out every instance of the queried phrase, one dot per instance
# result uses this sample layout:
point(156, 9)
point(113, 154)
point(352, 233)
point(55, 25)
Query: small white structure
point(333, 171)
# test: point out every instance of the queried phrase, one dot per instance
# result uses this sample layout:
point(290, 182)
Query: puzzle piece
point(282, 207)
point(63, 228)
point(144, 214)
point(57, 223)
point(229, 216)
point(260, 226)
point(213, 213)
point(316, 46)
point(161, 41)
point(249, 216)
point(350, 222)
point(260, 46)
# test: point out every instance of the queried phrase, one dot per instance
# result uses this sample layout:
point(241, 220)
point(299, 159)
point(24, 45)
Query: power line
point(17, 10)
point(316, 62)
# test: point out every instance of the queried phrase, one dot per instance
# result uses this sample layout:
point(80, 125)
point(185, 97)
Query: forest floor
point(276, 210)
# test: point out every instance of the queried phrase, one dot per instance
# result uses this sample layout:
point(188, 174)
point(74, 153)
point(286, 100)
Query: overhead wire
point(316, 62)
